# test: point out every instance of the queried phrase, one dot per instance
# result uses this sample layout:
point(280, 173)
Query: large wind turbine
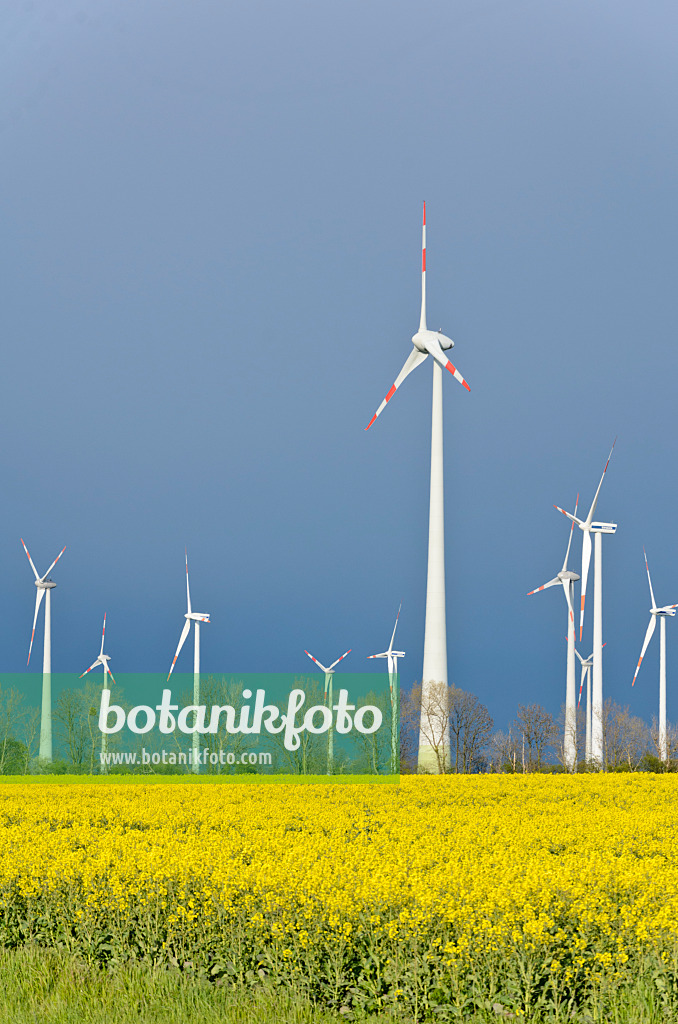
point(588, 527)
point(45, 585)
point(393, 688)
point(433, 343)
point(567, 579)
point(103, 659)
point(329, 672)
point(196, 618)
point(661, 613)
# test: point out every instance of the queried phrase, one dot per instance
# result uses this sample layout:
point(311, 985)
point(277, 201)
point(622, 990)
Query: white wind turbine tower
point(393, 688)
point(433, 343)
point(45, 585)
point(196, 618)
point(329, 672)
point(103, 659)
point(567, 579)
point(655, 613)
point(588, 527)
point(586, 664)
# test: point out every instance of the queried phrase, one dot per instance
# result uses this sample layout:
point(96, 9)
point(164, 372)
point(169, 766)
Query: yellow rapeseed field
point(356, 894)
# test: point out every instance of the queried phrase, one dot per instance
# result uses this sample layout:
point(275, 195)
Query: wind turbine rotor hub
point(422, 339)
point(45, 584)
point(567, 574)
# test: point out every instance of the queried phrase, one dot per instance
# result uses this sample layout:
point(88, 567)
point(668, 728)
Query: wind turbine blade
point(581, 684)
point(182, 638)
point(589, 518)
point(649, 580)
point(544, 586)
point(566, 588)
point(30, 560)
point(103, 634)
point(667, 608)
point(391, 666)
point(585, 562)
point(411, 363)
point(338, 660)
point(390, 646)
point(569, 542)
point(578, 654)
point(422, 318)
point(440, 357)
point(579, 522)
point(38, 598)
point(54, 562)
point(383, 655)
point(317, 662)
point(93, 665)
point(648, 637)
point(188, 592)
point(111, 675)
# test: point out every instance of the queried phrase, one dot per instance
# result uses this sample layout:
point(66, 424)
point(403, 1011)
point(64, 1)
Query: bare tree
point(626, 737)
point(76, 712)
point(454, 724)
point(470, 727)
point(671, 762)
point(537, 729)
point(31, 734)
point(504, 755)
point(11, 714)
point(427, 712)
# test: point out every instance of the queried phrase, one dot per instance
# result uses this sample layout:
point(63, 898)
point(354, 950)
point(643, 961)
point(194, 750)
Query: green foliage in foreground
point(49, 987)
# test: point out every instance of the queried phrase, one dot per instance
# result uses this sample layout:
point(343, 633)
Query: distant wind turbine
point(394, 691)
point(587, 526)
point(567, 579)
point(329, 672)
point(196, 618)
point(586, 664)
point(661, 614)
point(433, 343)
point(103, 659)
point(45, 585)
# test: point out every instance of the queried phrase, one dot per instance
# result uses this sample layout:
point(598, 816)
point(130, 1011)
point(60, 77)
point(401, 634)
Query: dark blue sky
point(210, 265)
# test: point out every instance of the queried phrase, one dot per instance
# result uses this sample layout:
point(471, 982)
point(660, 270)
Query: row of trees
point(75, 718)
point(532, 743)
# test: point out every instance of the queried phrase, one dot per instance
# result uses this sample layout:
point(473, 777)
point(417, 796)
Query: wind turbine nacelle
point(45, 584)
point(603, 527)
point(420, 338)
point(567, 574)
point(198, 616)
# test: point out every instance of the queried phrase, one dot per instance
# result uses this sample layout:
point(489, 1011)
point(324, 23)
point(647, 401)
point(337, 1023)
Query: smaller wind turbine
point(568, 578)
point(586, 664)
point(329, 672)
point(196, 618)
point(45, 585)
point(661, 613)
point(588, 527)
point(103, 659)
point(393, 688)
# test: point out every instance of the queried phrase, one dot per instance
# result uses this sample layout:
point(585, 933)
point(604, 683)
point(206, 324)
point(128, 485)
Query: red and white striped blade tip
point(457, 376)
